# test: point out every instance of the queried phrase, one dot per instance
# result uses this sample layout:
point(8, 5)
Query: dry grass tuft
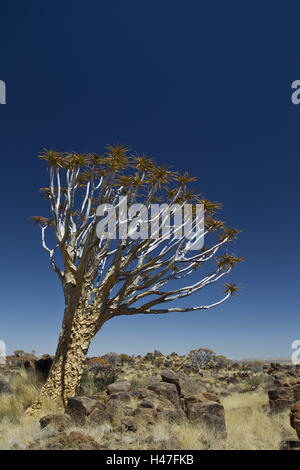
point(249, 424)
point(17, 428)
point(25, 387)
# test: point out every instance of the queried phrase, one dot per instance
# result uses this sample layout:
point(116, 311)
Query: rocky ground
point(155, 402)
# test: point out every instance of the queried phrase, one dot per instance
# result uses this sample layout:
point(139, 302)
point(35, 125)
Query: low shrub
point(96, 379)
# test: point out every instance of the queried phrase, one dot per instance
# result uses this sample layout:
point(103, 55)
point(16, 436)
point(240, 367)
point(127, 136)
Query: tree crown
point(127, 276)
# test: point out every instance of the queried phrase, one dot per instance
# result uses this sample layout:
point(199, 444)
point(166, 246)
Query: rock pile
point(124, 408)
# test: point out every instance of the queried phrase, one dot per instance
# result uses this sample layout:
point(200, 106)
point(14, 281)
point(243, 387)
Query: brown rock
point(130, 424)
point(201, 398)
point(296, 390)
point(295, 410)
point(295, 417)
point(146, 404)
point(99, 417)
point(121, 396)
point(146, 414)
point(282, 393)
point(297, 427)
point(170, 377)
point(167, 390)
point(120, 386)
point(80, 407)
point(60, 421)
point(280, 405)
point(290, 444)
point(280, 399)
point(209, 412)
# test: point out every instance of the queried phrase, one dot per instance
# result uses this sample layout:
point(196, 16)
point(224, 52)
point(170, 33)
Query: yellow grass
point(25, 387)
point(257, 430)
point(248, 423)
point(15, 426)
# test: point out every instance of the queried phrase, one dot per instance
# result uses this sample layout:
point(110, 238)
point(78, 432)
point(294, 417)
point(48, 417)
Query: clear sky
point(202, 86)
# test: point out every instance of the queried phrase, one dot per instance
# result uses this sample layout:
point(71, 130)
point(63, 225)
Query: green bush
point(96, 380)
point(254, 382)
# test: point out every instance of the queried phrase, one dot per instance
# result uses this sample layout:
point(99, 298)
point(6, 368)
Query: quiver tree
point(104, 278)
point(201, 358)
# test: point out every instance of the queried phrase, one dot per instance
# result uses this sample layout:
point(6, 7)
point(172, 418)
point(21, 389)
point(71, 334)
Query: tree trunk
point(64, 377)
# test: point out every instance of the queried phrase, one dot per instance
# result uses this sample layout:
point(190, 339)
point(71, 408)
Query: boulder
point(280, 399)
point(129, 424)
point(209, 412)
point(170, 377)
point(282, 393)
point(276, 406)
point(119, 386)
point(121, 396)
point(295, 417)
point(290, 444)
point(167, 390)
point(296, 390)
point(146, 404)
point(200, 398)
point(79, 408)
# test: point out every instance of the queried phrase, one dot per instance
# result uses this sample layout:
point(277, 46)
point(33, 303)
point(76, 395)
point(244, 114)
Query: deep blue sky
point(203, 86)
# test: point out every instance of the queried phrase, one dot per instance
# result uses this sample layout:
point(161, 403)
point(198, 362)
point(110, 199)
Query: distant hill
point(267, 360)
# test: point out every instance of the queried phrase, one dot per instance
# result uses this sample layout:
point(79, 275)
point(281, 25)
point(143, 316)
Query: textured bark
point(77, 332)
